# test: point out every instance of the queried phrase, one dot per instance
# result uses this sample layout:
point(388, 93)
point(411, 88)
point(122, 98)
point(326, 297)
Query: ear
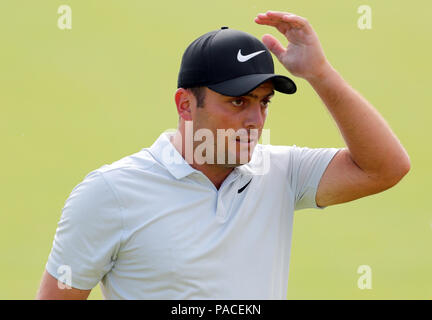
point(184, 101)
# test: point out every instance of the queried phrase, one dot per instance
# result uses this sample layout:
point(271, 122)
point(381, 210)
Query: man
point(179, 221)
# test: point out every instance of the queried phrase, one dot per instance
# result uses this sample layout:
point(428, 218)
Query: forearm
point(372, 144)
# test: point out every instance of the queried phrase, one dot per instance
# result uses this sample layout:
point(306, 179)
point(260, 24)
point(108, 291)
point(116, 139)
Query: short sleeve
point(308, 166)
point(88, 235)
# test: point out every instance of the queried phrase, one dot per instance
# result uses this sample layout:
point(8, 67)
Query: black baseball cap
point(230, 62)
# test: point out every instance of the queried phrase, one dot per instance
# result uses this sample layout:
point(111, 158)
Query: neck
point(215, 173)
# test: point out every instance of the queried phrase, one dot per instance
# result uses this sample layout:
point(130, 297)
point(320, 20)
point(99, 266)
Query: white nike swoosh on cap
point(243, 58)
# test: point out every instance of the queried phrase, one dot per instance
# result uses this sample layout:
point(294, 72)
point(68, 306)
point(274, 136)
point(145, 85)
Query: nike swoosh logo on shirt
point(244, 187)
point(245, 58)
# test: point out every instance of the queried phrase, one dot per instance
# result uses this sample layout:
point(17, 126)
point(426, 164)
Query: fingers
point(271, 22)
point(273, 45)
point(297, 22)
point(273, 15)
point(283, 20)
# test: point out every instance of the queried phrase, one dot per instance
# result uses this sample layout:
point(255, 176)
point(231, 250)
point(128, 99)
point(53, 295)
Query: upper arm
point(88, 235)
point(50, 290)
point(344, 181)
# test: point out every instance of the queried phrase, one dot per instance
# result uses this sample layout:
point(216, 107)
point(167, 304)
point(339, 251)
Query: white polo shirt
point(150, 228)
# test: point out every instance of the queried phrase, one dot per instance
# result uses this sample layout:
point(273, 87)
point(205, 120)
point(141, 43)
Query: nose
point(255, 116)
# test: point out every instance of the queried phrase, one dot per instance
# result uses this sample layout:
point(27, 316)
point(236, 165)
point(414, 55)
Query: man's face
point(240, 121)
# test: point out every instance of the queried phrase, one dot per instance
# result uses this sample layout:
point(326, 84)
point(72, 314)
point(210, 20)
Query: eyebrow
point(256, 97)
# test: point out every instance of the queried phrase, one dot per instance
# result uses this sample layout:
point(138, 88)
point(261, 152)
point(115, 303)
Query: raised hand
point(304, 56)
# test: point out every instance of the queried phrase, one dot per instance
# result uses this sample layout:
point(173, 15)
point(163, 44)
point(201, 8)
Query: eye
point(265, 103)
point(237, 102)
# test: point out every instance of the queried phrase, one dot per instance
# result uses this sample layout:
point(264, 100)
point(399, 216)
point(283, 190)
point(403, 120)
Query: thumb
point(273, 45)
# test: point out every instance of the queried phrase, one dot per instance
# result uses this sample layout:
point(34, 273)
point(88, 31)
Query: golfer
point(206, 212)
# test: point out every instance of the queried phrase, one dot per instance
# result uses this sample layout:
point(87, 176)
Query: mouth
point(246, 141)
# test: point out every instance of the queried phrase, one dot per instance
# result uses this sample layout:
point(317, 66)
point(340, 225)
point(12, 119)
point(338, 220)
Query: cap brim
point(240, 86)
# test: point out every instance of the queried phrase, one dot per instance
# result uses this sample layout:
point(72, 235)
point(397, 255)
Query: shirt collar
point(257, 165)
point(165, 152)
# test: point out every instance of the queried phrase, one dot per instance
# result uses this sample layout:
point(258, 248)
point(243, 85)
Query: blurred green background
point(73, 100)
